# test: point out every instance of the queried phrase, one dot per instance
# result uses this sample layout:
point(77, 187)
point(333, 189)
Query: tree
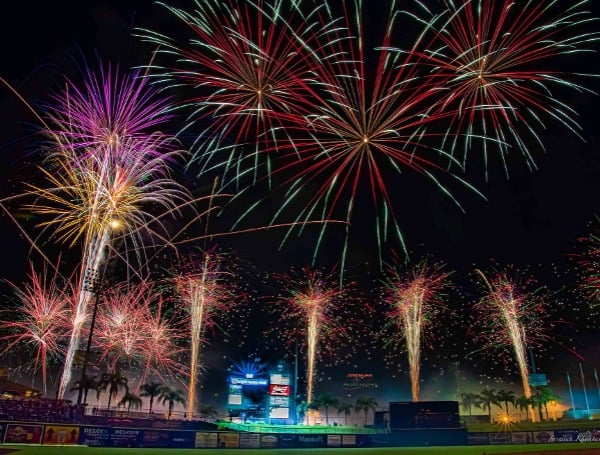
point(346, 408)
point(506, 396)
point(86, 384)
point(326, 400)
point(541, 399)
point(172, 397)
point(487, 398)
point(207, 411)
point(114, 382)
point(365, 404)
point(152, 390)
point(131, 400)
point(523, 403)
point(468, 400)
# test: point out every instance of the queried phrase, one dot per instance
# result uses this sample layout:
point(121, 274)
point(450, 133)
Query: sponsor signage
point(566, 435)
point(279, 390)
point(229, 440)
point(543, 437)
point(269, 441)
point(521, 437)
point(249, 381)
point(126, 437)
point(334, 440)
point(279, 402)
point(206, 440)
point(249, 440)
point(589, 436)
point(23, 434)
point(94, 436)
point(500, 438)
point(61, 434)
point(281, 379)
point(280, 413)
point(348, 439)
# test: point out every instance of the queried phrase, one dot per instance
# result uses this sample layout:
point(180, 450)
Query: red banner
point(279, 390)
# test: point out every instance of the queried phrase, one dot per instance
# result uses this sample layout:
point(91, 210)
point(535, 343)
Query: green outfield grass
point(453, 450)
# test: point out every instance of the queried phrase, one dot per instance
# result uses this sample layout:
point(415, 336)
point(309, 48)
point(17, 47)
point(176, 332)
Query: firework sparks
point(511, 319)
point(43, 318)
point(202, 284)
point(132, 329)
point(105, 173)
point(415, 299)
point(246, 64)
point(317, 311)
point(366, 127)
point(492, 59)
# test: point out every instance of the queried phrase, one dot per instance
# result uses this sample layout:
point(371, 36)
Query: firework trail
point(494, 60)
point(511, 318)
point(245, 66)
point(415, 299)
point(314, 308)
point(42, 320)
point(132, 328)
point(203, 287)
point(107, 177)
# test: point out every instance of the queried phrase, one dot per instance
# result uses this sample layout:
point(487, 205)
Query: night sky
point(531, 220)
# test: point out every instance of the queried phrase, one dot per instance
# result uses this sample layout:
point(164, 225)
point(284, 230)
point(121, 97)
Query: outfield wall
point(101, 436)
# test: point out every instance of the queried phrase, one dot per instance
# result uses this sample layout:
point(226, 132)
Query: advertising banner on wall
point(543, 437)
point(95, 436)
point(229, 440)
point(2, 429)
point(206, 440)
point(249, 440)
point(589, 435)
point(61, 434)
point(566, 435)
point(349, 440)
point(126, 437)
point(334, 440)
point(23, 433)
point(521, 437)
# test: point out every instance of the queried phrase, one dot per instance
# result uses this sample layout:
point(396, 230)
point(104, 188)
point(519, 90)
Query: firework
point(415, 299)
point(511, 318)
point(132, 329)
point(367, 126)
point(494, 61)
point(316, 312)
point(107, 178)
point(42, 321)
point(245, 66)
point(203, 287)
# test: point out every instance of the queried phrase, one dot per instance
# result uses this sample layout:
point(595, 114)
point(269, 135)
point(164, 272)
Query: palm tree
point(488, 397)
point(86, 384)
point(172, 396)
point(326, 400)
point(541, 399)
point(365, 404)
point(152, 390)
point(207, 411)
point(131, 400)
point(506, 396)
point(114, 382)
point(346, 408)
point(468, 400)
point(523, 403)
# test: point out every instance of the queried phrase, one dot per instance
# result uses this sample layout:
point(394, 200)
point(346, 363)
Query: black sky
point(531, 219)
